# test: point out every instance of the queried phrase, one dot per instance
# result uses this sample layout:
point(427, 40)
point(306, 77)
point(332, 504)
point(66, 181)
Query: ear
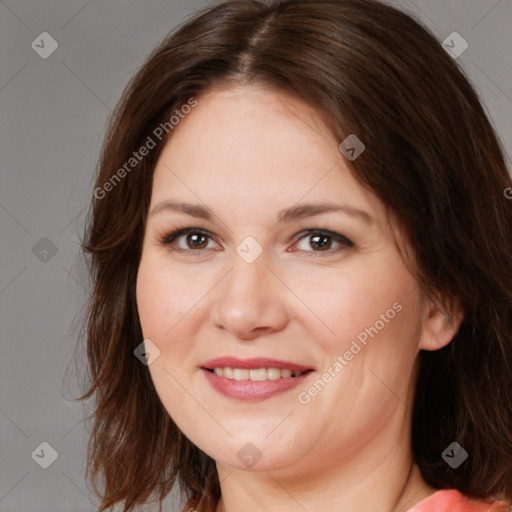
point(440, 322)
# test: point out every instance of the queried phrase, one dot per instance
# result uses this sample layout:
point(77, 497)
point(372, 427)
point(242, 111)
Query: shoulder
point(451, 500)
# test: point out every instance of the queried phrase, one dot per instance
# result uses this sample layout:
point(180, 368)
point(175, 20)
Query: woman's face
point(294, 262)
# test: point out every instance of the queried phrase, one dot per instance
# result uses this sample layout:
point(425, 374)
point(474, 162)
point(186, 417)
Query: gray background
point(53, 114)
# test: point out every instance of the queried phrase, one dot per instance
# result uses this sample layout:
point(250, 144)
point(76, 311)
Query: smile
point(246, 389)
point(257, 374)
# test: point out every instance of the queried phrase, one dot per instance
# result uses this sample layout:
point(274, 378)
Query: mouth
point(253, 379)
point(255, 374)
point(255, 369)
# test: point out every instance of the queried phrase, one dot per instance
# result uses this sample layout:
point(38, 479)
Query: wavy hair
point(432, 157)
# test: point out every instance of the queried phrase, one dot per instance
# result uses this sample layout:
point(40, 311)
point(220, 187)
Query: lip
point(252, 389)
point(254, 364)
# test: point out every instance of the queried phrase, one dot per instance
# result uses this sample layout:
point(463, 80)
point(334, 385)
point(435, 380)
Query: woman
point(300, 244)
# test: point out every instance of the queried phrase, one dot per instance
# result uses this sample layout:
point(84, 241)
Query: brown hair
point(432, 157)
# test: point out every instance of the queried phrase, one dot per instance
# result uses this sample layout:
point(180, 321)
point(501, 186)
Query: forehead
point(250, 146)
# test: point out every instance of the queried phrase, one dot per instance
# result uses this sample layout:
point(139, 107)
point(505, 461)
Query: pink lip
point(255, 363)
point(252, 390)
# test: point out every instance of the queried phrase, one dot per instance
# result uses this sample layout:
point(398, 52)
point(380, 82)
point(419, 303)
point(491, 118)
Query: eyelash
point(168, 239)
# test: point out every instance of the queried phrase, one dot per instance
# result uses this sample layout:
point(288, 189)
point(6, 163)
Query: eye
point(189, 240)
point(193, 240)
point(322, 241)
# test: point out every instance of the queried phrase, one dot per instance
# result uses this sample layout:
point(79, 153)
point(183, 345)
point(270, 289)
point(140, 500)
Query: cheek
point(163, 297)
point(152, 300)
point(169, 306)
point(371, 314)
point(339, 306)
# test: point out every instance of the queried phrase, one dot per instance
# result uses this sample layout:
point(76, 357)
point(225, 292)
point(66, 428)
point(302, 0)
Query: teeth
point(241, 373)
point(273, 373)
point(259, 374)
point(256, 374)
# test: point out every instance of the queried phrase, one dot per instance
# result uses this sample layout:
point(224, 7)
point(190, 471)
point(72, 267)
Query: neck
point(379, 476)
point(267, 492)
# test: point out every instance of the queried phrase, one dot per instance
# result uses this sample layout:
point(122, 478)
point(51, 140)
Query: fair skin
point(247, 153)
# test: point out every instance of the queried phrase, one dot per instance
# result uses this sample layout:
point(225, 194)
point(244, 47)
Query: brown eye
point(197, 240)
point(187, 240)
point(314, 241)
point(322, 242)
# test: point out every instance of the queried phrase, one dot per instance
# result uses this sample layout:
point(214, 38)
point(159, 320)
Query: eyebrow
point(287, 215)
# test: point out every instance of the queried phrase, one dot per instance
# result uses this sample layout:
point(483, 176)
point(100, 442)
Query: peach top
point(451, 500)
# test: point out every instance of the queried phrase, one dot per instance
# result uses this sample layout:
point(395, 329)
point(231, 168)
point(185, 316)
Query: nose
point(250, 301)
